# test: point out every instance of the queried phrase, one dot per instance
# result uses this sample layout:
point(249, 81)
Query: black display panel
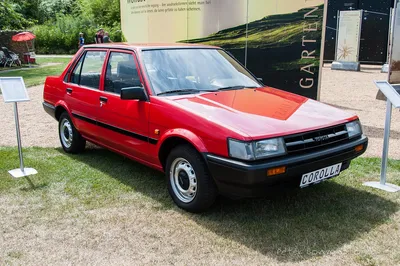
point(374, 38)
point(376, 5)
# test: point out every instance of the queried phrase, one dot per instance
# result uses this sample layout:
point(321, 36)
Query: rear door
point(83, 91)
point(124, 123)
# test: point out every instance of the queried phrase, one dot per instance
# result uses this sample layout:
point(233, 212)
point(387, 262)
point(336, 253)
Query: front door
point(124, 123)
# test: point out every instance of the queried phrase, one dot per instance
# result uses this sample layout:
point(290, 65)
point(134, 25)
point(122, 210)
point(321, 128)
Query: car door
point(82, 91)
point(124, 123)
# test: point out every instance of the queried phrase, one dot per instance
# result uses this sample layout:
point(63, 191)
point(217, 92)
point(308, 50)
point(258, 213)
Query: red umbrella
point(23, 37)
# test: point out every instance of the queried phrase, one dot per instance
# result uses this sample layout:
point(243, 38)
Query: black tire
point(71, 140)
point(189, 160)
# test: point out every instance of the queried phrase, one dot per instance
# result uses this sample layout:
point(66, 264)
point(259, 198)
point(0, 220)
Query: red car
point(195, 113)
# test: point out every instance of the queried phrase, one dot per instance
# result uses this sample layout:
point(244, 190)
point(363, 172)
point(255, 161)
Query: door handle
point(103, 100)
point(69, 90)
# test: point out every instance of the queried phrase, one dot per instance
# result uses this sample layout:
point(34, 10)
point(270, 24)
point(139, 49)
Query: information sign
point(348, 41)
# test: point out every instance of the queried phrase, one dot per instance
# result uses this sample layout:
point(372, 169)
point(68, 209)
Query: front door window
point(121, 73)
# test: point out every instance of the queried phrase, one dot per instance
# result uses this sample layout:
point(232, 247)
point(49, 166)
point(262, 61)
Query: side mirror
point(260, 79)
point(133, 93)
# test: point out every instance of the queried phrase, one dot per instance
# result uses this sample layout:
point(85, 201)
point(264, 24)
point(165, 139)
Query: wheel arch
point(60, 108)
point(175, 138)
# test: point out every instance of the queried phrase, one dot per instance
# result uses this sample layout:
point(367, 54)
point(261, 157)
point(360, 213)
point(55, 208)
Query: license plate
point(320, 175)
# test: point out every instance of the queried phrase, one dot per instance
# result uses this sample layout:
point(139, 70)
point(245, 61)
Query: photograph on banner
point(278, 40)
point(284, 44)
point(348, 40)
point(394, 77)
point(215, 17)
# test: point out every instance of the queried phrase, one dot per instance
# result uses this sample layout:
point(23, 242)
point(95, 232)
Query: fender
point(61, 103)
point(184, 134)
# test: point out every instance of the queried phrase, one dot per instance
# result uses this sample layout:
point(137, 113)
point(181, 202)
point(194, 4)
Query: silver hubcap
point(66, 133)
point(183, 180)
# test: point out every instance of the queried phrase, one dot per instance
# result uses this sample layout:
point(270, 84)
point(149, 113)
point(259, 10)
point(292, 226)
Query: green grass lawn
point(37, 75)
point(340, 216)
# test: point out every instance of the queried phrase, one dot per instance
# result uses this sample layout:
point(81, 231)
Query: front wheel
point(71, 140)
point(189, 183)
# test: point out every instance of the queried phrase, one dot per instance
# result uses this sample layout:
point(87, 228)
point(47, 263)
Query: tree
point(29, 9)
point(40, 11)
point(49, 9)
point(10, 17)
point(103, 12)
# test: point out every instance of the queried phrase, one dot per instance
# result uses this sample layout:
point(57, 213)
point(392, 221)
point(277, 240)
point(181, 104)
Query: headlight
point(269, 147)
point(241, 150)
point(256, 150)
point(354, 129)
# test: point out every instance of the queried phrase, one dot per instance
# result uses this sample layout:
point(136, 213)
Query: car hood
point(263, 112)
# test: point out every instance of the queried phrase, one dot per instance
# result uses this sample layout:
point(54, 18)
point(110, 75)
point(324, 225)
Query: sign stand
point(392, 99)
point(13, 90)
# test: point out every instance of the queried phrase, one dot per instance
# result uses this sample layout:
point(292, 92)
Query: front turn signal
point(359, 148)
point(276, 171)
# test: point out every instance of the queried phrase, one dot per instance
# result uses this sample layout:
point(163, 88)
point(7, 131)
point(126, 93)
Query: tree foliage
point(49, 9)
point(11, 16)
point(57, 23)
point(61, 36)
point(103, 12)
point(19, 14)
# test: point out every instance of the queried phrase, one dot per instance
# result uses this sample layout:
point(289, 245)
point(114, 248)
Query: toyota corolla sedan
point(196, 114)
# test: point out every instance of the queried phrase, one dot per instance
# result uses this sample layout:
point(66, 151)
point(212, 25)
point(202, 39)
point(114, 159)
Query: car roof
point(150, 46)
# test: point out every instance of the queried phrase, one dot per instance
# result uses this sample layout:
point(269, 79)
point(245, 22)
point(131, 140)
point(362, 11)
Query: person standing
point(106, 38)
point(81, 40)
point(99, 36)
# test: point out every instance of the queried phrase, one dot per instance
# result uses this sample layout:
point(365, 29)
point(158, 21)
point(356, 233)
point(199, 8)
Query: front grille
point(316, 140)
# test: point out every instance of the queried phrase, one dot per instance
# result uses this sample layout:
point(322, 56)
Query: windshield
point(195, 70)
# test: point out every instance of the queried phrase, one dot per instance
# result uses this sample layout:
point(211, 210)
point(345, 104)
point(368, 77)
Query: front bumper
point(249, 179)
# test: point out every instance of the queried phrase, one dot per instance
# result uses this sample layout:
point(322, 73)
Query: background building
point(374, 33)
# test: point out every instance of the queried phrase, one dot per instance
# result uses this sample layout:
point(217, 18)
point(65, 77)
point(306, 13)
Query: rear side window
point(88, 70)
point(121, 72)
point(75, 75)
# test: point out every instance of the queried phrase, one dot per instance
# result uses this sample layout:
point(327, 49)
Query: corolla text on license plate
point(320, 175)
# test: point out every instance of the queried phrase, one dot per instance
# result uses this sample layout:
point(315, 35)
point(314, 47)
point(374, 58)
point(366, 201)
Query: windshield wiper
point(198, 91)
point(178, 91)
point(183, 91)
point(236, 88)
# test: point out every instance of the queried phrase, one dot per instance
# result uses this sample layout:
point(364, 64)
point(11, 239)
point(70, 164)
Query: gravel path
point(356, 92)
point(352, 91)
point(37, 127)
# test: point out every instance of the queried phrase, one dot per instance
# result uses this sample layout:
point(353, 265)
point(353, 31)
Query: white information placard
point(348, 38)
point(392, 100)
point(13, 89)
point(390, 92)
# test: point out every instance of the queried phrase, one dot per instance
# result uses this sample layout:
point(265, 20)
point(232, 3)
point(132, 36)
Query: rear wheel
point(189, 183)
point(71, 140)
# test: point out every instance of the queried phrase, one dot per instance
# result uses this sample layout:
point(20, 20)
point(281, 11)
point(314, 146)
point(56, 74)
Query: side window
point(91, 69)
point(121, 72)
point(75, 75)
